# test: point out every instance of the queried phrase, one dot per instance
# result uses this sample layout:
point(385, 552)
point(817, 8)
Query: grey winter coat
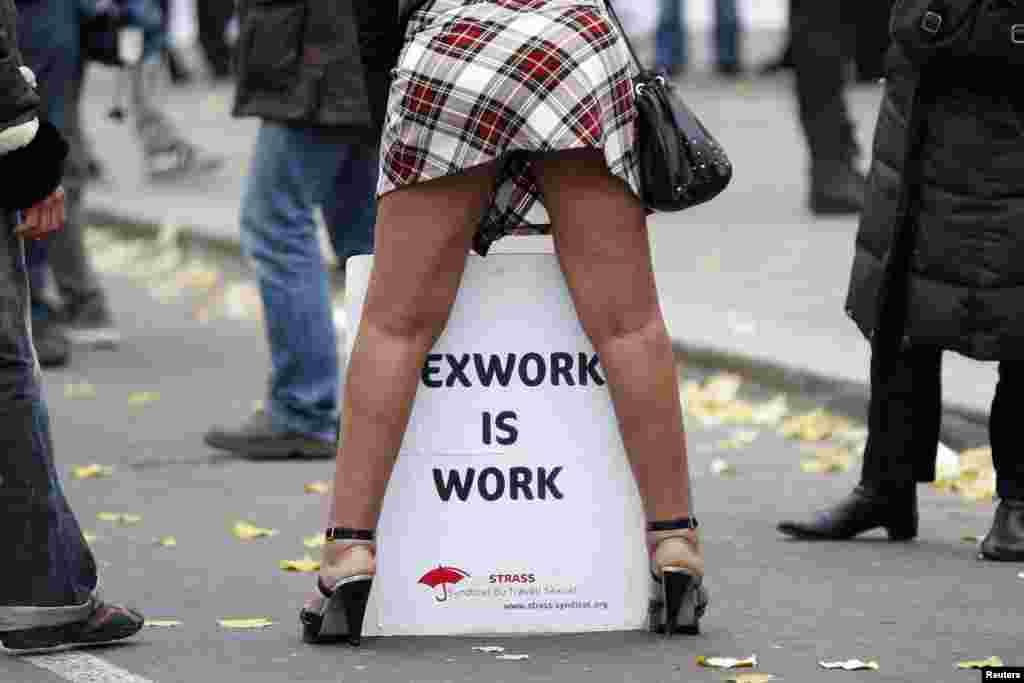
point(966, 287)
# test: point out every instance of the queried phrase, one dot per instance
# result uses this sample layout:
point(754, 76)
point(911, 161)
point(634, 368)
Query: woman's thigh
point(600, 232)
point(423, 236)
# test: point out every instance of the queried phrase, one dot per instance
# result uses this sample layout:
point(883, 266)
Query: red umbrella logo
point(442, 576)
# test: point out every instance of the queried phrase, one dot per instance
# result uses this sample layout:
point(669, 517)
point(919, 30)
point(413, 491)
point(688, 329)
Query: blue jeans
point(294, 170)
point(47, 561)
point(671, 43)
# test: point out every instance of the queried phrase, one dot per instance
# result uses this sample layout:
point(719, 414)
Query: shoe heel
point(354, 597)
point(341, 615)
point(901, 532)
point(681, 605)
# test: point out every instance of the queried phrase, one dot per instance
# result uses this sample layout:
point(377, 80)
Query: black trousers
point(213, 17)
point(821, 34)
point(903, 452)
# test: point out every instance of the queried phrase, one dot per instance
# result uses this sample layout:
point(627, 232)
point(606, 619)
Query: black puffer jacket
point(316, 62)
point(18, 101)
point(966, 288)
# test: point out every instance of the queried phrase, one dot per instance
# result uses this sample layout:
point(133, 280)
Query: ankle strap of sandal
point(673, 524)
point(342, 533)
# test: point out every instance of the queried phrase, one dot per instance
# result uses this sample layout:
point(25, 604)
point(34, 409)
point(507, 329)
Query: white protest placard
point(512, 508)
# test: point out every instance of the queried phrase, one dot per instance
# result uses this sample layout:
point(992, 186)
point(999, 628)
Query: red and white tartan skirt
point(479, 80)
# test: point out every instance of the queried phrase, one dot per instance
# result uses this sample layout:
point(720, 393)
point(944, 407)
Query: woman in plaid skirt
point(504, 115)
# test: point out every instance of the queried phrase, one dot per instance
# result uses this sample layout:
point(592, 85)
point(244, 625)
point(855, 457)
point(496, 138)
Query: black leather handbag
point(681, 164)
point(929, 30)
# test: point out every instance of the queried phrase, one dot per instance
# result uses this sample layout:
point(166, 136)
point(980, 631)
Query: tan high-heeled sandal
point(678, 596)
point(341, 613)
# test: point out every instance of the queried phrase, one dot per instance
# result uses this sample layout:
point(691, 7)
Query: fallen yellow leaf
point(817, 425)
point(139, 399)
point(79, 390)
point(119, 517)
point(850, 665)
point(246, 531)
point(772, 412)
point(738, 440)
point(89, 537)
point(306, 565)
point(258, 622)
point(162, 623)
point(749, 677)
point(314, 542)
point(971, 539)
point(722, 468)
point(727, 662)
point(167, 542)
point(827, 459)
point(317, 487)
point(980, 663)
point(93, 471)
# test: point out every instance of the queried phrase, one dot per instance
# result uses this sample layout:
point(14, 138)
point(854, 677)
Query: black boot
point(837, 188)
point(865, 509)
point(1005, 541)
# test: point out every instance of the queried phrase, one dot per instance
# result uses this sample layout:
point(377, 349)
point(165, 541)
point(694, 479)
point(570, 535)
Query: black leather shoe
point(837, 189)
point(864, 509)
point(1005, 541)
point(258, 439)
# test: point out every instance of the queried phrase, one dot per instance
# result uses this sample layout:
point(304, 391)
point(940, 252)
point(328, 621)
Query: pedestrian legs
point(294, 170)
point(1007, 453)
point(671, 47)
point(820, 32)
point(728, 37)
point(48, 561)
point(905, 418)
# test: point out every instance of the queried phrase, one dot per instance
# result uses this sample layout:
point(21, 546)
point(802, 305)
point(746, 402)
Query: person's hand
point(44, 217)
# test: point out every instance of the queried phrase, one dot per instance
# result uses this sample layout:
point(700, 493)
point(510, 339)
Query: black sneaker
point(52, 346)
point(181, 161)
point(106, 624)
point(88, 323)
point(256, 438)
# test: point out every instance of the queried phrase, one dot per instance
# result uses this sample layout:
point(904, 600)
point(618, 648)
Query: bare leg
point(601, 239)
point(422, 240)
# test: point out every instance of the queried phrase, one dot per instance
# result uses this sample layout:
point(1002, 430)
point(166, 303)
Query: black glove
point(30, 174)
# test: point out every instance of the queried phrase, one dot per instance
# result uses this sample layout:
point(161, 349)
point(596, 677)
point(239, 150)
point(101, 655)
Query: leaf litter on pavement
point(851, 665)
point(980, 663)
point(93, 471)
point(162, 623)
point(80, 389)
point(246, 531)
point(320, 487)
point(727, 662)
point(245, 624)
point(123, 518)
point(750, 677)
point(307, 565)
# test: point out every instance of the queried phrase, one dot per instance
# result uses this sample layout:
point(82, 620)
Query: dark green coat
point(967, 272)
point(316, 62)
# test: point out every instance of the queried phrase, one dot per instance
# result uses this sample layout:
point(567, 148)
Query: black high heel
point(340, 616)
point(679, 598)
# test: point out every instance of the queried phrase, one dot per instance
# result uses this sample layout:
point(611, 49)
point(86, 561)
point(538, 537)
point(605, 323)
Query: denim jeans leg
point(670, 36)
point(49, 564)
point(290, 173)
point(728, 33)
